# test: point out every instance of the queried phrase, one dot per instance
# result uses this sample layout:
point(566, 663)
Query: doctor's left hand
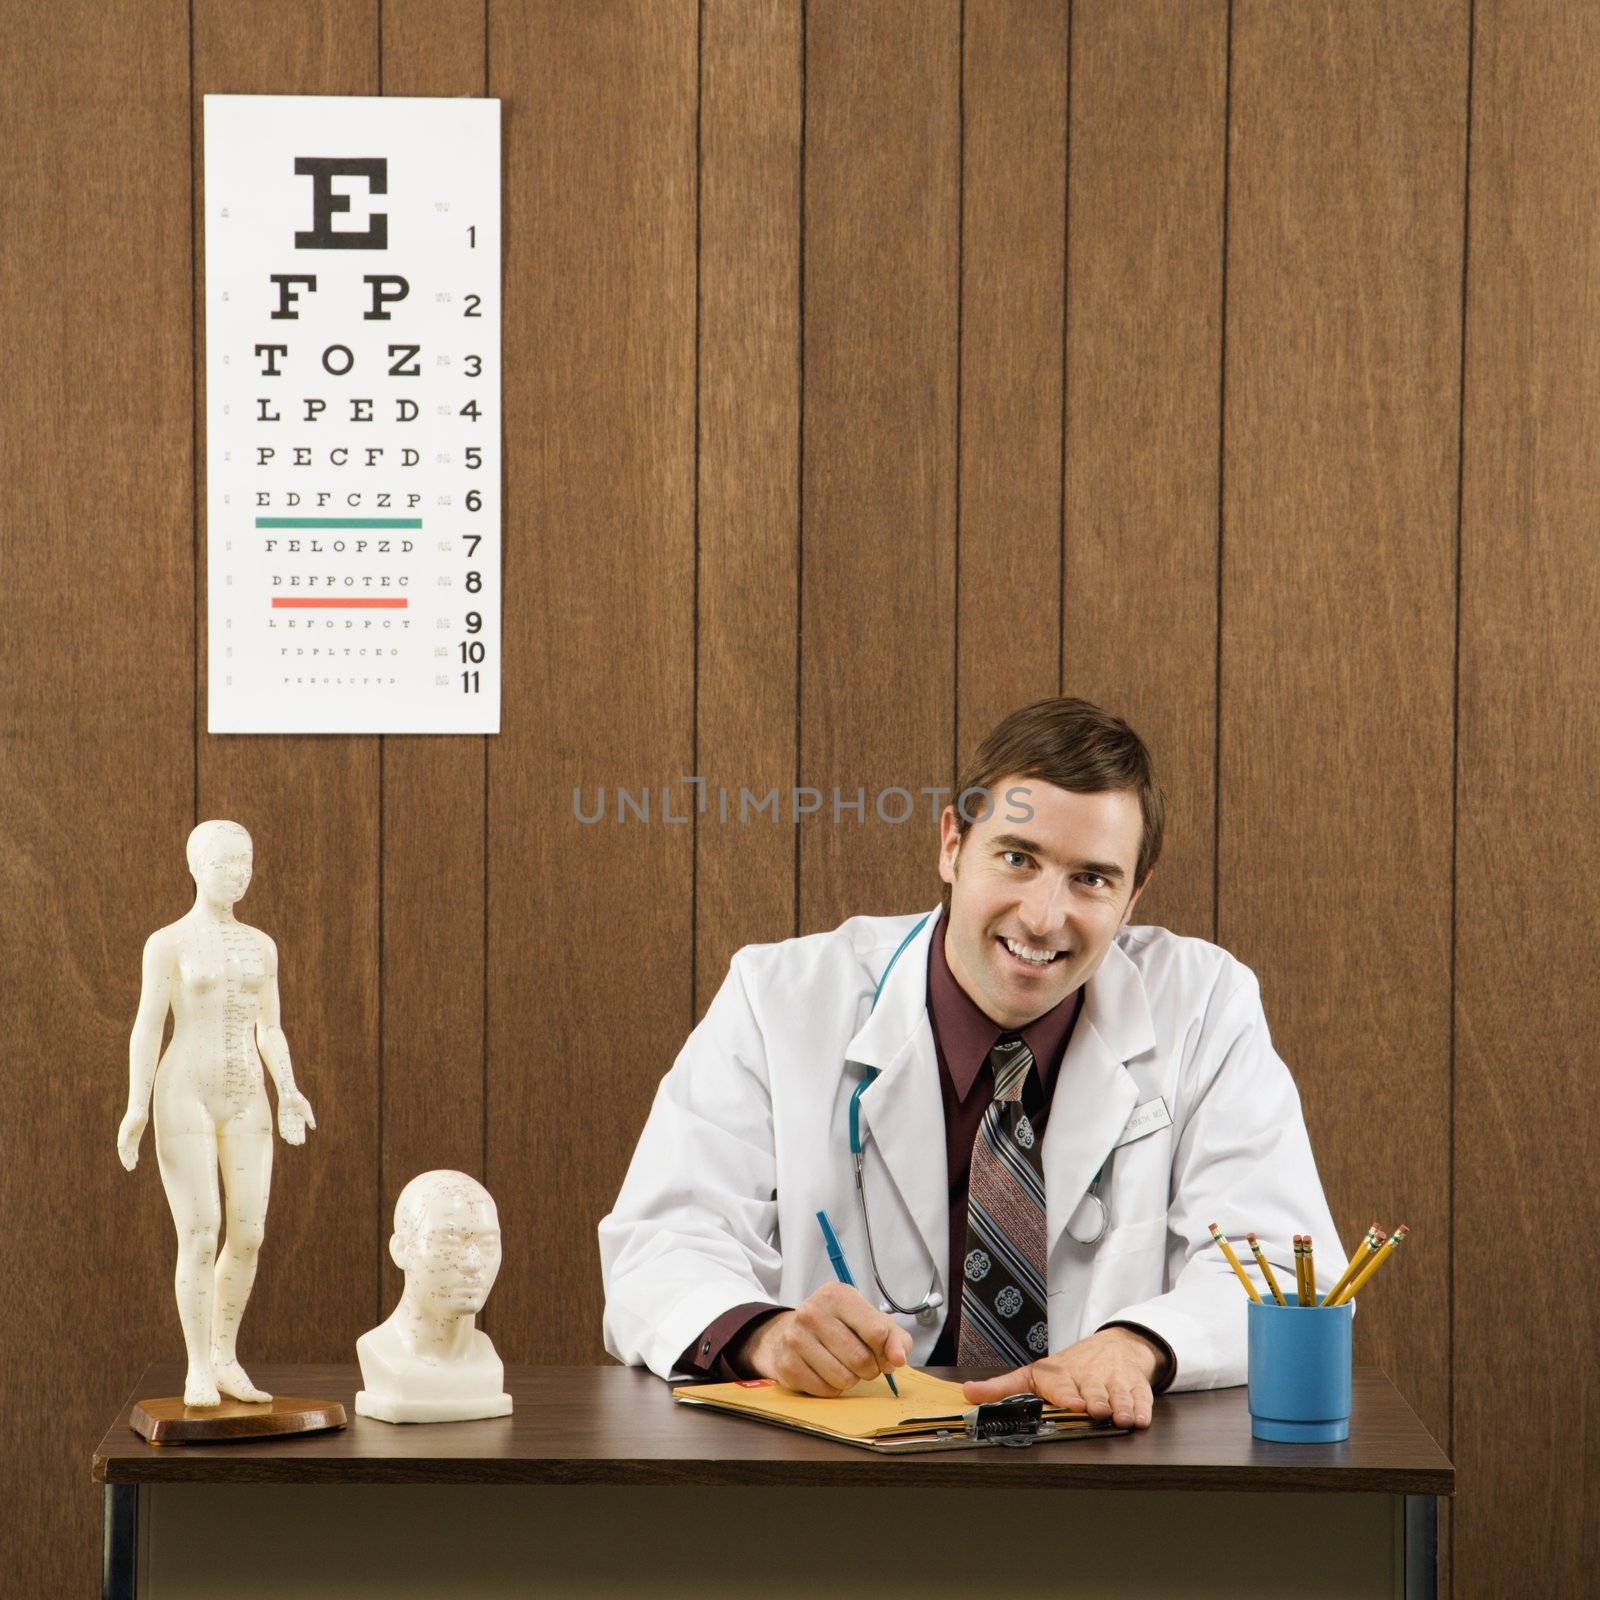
point(1108, 1375)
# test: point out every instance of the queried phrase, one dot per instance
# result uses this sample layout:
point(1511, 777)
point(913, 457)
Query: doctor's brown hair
point(1074, 745)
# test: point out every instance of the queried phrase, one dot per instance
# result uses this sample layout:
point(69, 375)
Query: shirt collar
point(966, 1033)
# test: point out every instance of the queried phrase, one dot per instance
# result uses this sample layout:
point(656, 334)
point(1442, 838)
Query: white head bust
point(429, 1362)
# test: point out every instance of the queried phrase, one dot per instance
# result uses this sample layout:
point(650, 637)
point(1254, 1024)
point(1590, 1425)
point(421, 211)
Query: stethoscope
point(1087, 1224)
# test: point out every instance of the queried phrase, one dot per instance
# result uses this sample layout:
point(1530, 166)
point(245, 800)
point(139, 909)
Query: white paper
point(354, 572)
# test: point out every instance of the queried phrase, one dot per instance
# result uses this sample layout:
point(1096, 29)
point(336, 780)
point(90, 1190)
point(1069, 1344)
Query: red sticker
point(754, 1383)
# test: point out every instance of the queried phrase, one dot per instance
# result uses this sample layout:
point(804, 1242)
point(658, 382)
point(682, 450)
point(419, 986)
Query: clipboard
point(930, 1414)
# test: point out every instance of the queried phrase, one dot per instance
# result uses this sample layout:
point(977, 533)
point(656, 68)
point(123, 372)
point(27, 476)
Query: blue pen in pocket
point(841, 1269)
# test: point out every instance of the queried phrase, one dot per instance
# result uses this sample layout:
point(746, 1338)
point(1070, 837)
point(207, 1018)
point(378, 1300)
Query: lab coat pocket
point(1131, 1237)
point(1128, 1269)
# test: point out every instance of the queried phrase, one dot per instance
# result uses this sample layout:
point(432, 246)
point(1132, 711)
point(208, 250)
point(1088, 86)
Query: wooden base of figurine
point(169, 1421)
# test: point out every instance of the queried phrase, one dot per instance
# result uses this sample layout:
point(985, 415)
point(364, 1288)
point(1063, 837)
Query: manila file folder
point(930, 1414)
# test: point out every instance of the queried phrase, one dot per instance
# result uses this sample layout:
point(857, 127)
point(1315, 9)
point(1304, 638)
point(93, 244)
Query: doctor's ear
point(950, 837)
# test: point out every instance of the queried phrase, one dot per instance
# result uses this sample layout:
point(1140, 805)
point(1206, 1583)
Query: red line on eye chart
point(338, 605)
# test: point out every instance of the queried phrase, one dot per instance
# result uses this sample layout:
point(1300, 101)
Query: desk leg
point(119, 1541)
point(1422, 1547)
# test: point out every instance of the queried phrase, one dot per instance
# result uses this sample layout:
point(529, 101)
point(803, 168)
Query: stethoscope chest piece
point(927, 1314)
point(1087, 1224)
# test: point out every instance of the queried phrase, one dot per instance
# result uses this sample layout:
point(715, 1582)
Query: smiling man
point(1020, 1112)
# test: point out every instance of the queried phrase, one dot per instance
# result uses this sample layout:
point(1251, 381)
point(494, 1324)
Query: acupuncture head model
point(429, 1362)
point(219, 978)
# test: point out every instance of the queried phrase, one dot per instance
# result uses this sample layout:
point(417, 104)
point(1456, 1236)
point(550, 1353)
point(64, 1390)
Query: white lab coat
point(748, 1140)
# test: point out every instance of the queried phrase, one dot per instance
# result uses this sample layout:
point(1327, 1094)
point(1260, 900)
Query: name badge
point(1151, 1117)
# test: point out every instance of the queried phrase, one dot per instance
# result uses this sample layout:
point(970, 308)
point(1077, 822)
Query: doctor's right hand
point(829, 1343)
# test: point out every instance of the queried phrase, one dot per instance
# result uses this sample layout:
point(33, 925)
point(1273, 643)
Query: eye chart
point(353, 426)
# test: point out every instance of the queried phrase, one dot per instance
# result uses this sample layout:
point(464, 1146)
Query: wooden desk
point(598, 1483)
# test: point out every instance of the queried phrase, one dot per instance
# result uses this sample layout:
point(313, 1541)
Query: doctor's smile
point(1027, 955)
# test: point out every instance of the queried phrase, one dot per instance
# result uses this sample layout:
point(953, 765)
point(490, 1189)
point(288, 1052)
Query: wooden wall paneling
point(434, 795)
point(311, 805)
point(747, 596)
point(1527, 1398)
point(877, 617)
point(1346, 188)
point(590, 931)
point(1013, 246)
point(434, 48)
point(96, 758)
point(1144, 353)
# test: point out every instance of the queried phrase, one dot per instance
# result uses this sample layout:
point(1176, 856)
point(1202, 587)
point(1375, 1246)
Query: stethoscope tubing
point(931, 1298)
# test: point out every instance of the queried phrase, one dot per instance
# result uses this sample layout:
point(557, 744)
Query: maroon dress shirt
point(963, 1036)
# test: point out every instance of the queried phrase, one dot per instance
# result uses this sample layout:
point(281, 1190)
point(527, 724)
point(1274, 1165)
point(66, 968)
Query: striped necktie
point(1005, 1318)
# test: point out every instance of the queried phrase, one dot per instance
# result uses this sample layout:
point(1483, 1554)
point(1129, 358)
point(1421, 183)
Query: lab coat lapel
point(1094, 1093)
point(902, 1109)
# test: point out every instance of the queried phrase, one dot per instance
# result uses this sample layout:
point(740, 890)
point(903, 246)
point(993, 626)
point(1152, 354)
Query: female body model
point(220, 979)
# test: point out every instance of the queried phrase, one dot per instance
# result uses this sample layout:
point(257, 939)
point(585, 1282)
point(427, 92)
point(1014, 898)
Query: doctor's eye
point(1021, 856)
point(1100, 882)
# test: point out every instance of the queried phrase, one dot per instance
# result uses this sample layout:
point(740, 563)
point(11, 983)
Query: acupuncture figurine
point(429, 1362)
point(220, 979)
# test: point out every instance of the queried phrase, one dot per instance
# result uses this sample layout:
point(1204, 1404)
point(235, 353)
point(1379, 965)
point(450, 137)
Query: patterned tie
point(1005, 1320)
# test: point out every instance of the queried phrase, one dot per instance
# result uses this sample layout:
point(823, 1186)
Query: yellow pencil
point(1372, 1266)
point(1357, 1261)
point(1299, 1272)
point(1311, 1273)
point(1233, 1261)
point(1266, 1270)
point(1379, 1240)
point(1379, 1257)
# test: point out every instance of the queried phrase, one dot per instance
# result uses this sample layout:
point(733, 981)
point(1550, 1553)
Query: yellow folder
point(930, 1414)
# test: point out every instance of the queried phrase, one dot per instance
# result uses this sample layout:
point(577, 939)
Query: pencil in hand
point(1233, 1261)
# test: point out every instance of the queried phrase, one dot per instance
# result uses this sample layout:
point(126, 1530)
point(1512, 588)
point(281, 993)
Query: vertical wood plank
point(1144, 351)
point(589, 983)
point(311, 805)
point(747, 596)
point(434, 797)
point(1338, 608)
point(1013, 247)
point(882, 180)
point(1527, 1398)
point(434, 47)
point(96, 701)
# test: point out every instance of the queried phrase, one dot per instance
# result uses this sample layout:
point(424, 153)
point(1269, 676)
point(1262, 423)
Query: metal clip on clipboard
point(1017, 1422)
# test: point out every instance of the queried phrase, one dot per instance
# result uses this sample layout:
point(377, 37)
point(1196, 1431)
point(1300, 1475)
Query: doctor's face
point(1035, 904)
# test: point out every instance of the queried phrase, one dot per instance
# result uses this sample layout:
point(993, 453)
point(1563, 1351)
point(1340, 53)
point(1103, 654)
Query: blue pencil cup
point(1299, 1372)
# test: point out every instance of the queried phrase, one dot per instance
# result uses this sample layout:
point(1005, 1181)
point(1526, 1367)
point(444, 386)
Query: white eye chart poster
point(353, 430)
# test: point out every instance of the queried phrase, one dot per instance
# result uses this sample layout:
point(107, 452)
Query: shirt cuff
point(709, 1355)
point(1163, 1379)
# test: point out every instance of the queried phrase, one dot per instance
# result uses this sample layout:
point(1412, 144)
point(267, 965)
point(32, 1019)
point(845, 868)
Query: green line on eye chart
point(338, 522)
